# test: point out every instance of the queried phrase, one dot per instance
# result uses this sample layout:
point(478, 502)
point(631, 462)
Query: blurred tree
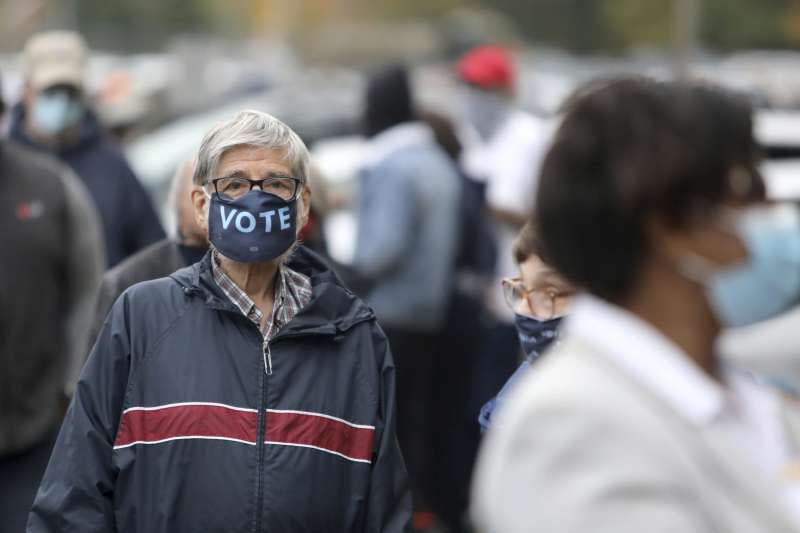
point(409, 8)
point(614, 25)
point(583, 26)
point(732, 24)
point(128, 25)
point(791, 23)
point(566, 23)
point(636, 23)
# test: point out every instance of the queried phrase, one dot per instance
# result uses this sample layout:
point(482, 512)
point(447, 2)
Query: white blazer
point(582, 445)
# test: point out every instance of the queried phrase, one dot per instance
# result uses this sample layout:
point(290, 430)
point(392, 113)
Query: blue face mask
point(54, 112)
point(484, 110)
point(768, 282)
point(257, 227)
point(535, 335)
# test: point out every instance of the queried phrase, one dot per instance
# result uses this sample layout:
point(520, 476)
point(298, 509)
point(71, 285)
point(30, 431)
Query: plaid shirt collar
point(292, 293)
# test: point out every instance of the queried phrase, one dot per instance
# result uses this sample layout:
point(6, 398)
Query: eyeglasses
point(232, 188)
point(543, 304)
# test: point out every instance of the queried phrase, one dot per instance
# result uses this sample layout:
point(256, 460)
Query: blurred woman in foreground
point(651, 203)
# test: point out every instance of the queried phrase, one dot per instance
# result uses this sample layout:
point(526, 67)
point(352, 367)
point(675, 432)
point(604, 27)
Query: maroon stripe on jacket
point(319, 431)
point(153, 425)
point(150, 426)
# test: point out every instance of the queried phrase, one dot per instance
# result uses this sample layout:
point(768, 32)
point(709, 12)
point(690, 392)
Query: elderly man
point(248, 392)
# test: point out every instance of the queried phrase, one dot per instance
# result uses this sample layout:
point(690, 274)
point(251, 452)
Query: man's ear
point(306, 196)
point(200, 202)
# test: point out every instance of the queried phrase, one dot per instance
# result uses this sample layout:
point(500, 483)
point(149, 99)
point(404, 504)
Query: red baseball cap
point(488, 67)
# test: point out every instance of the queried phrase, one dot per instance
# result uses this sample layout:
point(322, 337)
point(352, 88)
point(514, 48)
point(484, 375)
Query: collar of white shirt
point(746, 413)
point(657, 363)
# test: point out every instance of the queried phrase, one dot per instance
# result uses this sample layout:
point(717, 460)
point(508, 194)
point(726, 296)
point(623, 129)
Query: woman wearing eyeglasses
point(539, 298)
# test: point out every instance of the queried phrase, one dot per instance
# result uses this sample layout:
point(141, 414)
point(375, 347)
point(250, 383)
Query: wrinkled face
point(254, 164)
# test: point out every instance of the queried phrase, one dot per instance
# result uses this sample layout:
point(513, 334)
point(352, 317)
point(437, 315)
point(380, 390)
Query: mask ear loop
point(696, 268)
point(699, 269)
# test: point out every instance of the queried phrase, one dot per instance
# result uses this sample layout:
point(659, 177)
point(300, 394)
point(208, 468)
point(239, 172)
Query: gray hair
point(179, 183)
point(250, 128)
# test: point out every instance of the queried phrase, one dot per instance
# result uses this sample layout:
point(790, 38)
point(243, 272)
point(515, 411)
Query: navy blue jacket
point(129, 220)
point(175, 425)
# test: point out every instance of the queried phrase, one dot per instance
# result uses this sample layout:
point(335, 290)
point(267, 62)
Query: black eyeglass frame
point(298, 185)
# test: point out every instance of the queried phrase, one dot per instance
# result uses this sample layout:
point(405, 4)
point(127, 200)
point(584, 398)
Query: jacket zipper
point(266, 354)
point(261, 434)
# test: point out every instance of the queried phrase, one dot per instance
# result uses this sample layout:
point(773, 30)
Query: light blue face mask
point(484, 110)
point(768, 282)
point(54, 112)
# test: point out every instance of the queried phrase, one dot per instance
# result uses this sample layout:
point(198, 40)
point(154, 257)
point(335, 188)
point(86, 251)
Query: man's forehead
point(252, 159)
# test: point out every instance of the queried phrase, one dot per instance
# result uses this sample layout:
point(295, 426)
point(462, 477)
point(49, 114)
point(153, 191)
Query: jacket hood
point(333, 308)
point(88, 133)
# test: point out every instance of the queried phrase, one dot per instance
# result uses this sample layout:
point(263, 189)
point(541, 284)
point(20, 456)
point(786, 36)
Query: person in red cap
point(503, 148)
point(489, 75)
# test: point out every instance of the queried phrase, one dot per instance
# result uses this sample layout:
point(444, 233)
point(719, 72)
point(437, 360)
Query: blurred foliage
point(730, 24)
point(633, 23)
point(579, 25)
point(142, 24)
point(614, 25)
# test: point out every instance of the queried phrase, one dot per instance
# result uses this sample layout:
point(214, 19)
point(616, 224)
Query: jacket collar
point(332, 309)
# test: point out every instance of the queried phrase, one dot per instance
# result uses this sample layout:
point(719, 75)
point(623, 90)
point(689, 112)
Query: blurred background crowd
point(476, 86)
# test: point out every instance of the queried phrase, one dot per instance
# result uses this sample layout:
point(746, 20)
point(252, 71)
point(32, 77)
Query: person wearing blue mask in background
point(55, 117)
point(651, 202)
point(540, 298)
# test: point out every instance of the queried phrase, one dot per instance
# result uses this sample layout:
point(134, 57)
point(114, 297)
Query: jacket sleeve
point(142, 225)
point(387, 217)
point(77, 489)
point(389, 505)
point(85, 265)
point(107, 294)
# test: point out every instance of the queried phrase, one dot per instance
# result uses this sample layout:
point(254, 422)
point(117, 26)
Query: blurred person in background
point(540, 298)
point(51, 263)
point(651, 201)
point(503, 149)
point(460, 343)
point(249, 391)
point(406, 250)
point(55, 116)
point(162, 258)
point(313, 235)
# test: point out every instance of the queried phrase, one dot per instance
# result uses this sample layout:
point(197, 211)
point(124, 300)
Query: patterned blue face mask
point(768, 282)
point(55, 111)
point(257, 227)
point(536, 335)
